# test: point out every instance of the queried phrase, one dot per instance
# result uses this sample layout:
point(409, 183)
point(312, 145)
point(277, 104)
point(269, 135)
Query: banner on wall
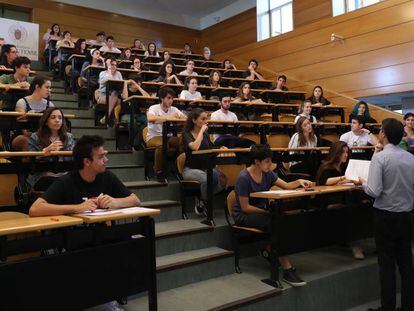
point(25, 36)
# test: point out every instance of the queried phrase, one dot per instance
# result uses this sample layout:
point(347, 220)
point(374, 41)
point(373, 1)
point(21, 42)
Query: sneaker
point(200, 207)
point(102, 120)
point(358, 253)
point(290, 276)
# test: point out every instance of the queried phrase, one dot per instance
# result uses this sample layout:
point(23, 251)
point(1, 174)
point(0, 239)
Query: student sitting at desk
point(99, 41)
point(137, 65)
point(66, 41)
point(1, 44)
point(195, 137)
point(20, 78)
point(110, 46)
point(245, 95)
point(167, 74)
point(80, 49)
point(110, 74)
point(127, 54)
point(138, 45)
point(38, 101)
point(361, 109)
point(187, 49)
point(407, 142)
point(189, 68)
point(251, 73)
point(206, 53)
point(190, 89)
point(166, 57)
point(93, 58)
point(224, 114)
point(304, 137)
point(317, 97)
point(8, 54)
point(228, 65)
point(251, 212)
point(152, 50)
point(305, 110)
point(156, 115)
point(280, 84)
point(52, 135)
point(332, 172)
point(358, 135)
point(91, 186)
point(214, 79)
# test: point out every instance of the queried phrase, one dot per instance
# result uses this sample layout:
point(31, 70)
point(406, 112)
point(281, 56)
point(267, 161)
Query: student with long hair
point(305, 111)
point(187, 49)
point(137, 65)
point(127, 54)
point(39, 98)
point(52, 135)
point(214, 79)
point(227, 64)
point(304, 137)
point(407, 141)
point(167, 74)
point(251, 212)
point(66, 40)
point(151, 50)
point(8, 54)
point(138, 45)
point(52, 34)
point(245, 95)
point(80, 49)
point(317, 97)
point(190, 89)
point(361, 109)
point(195, 137)
point(166, 57)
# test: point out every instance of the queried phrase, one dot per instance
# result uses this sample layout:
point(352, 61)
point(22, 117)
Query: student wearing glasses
point(8, 55)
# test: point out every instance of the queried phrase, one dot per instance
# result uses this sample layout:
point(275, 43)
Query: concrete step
point(79, 131)
point(153, 190)
point(59, 97)
point(83, 121)
point(170, 210)
point(126, 158)
point(128, 172)
point(60, 84)
point(65, 103)
point(79, 112)
point(193, 266)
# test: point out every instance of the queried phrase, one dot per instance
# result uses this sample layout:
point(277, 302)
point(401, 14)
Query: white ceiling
point(196, 14)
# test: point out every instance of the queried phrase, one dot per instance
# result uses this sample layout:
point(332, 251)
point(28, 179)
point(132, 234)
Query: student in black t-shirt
point(195, 137)
point(251, 73)
point(90, 187)
point(331, 173)
point(317, 99)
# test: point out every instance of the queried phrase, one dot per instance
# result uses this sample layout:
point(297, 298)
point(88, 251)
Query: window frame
point(269, 13)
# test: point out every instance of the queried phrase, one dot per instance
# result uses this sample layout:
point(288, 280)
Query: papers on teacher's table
point(357, 168)
point(279, 191)
point(104, 212)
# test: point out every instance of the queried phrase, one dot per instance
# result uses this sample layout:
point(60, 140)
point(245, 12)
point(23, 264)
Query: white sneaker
point(358, 253)
point(103, 120)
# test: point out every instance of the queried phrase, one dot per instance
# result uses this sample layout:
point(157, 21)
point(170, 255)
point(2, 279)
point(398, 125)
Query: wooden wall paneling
point(307, 11)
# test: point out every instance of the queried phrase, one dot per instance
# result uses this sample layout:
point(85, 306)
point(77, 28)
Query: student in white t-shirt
point(224, 114)
point(156, 115)
point(190, 89)
point(110, 46)
point(189, 68)
point(305, 110)
point(358, 136)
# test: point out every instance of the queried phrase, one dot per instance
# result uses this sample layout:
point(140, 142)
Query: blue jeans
point(201, 177)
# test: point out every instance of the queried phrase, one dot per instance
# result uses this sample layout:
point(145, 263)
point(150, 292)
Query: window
point(274, 17)
point(344, 6)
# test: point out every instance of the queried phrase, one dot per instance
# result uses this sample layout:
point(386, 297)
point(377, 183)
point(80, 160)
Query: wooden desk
point(313, 224)
point(103, 258)
point(277, 96)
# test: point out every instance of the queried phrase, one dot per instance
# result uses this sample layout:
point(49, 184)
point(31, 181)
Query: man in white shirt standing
point(358, 136)
point(224, 114)
point(189, 68)
point(156, 115)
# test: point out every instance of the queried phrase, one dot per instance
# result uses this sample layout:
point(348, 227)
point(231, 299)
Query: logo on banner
point(18, 32)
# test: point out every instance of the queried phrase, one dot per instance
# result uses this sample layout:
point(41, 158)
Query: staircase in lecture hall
point(195, 267)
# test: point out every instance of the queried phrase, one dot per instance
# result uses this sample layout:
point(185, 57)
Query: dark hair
point(112, 59)
point(78, 47)
point(359, 119)
point(210, 79)
point(302, 105)
point(356, 107)
point(240, 92)
point(5, 49)
point(163, 53)
point(283, 77)
point(123, 56)
point(101, 33)
point(135, 40)
point(407, 115)
point(299, 130)
point(194, 114)
point(84, 147)
point(255, 61)
point(164, 91)
point(188, 60)
point(136, 77)
point(43, 133)
point(155, 49)
point(66, 32)
point(88, 55)
point(21, 60)
point(51, 30)
point(224, 94)
point(187, 44)
point(224, 62)
point(333, 158)
point(393, 130)
point(260, 153)
point(163, 72)
point(140, 62)
point(110, 38)
point(38, 81)
point(313, 91)
point(188, 80)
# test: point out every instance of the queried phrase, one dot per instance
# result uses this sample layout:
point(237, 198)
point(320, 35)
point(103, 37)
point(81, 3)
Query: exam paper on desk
point(102, 212)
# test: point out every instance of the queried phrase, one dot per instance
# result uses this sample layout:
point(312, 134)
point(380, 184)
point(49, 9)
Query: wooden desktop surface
point(136, 214)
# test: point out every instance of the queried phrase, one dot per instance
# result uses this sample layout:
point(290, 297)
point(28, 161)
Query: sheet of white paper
point(357, 168)
point(279, 191)
point(131, 210)
point(100, 212)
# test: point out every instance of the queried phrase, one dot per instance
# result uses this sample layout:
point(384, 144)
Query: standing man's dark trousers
point(393, 233)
